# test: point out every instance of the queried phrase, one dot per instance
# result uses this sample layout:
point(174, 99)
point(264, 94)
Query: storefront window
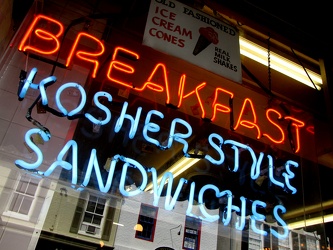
point(141, 136)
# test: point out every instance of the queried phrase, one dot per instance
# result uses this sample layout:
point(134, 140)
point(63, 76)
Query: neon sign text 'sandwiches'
point(47, 42)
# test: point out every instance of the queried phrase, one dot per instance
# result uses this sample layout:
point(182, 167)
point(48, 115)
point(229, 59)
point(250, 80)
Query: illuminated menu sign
point(270, 128)
point(194, 36)
point(148, 123)
point(149, 131)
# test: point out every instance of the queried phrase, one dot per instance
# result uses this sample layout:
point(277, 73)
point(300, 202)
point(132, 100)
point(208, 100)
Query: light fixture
point(176, 169)
point(279, 63)
point(311, 222)
point(101, 243)
point(182, 165)
point(138, 227)
point(118, 224)
point(180, 229)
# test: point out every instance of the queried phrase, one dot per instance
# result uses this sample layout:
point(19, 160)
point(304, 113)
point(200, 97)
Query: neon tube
point(82, 102)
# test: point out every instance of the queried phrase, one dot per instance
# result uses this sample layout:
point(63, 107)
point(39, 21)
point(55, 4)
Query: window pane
point(15, 203)
point(31, 190)
point(22, 186)
point(97, 220)
point(99, 209)
point(147, 219)
point(93, 216)
point(26, 204)
point(91, 206)
point(87, 217)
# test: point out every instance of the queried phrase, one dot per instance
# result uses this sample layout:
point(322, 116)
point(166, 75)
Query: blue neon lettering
point(279, 220)
point(152, 127)
point(64, 164)
point(256, 172)
point(255, 168)
point(93, 163)
point(132, 163)
point(257, 217)
point(240, 224)
point(134, 121)
point(191, 200)
point(102, 107)
point(167, 179)
point(226, 219)
point(33, 146)
point(290, 175)
point(208, 217)
point(218, 148)
point(215, 141)
point(178, 136)
point(28, 83)
point(271, 172)
point(169, 204)
point(78, 108)
point(44, 83)
point(218, 194)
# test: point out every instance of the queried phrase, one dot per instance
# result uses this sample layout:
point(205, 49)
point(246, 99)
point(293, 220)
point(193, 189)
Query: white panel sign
point(194, 36)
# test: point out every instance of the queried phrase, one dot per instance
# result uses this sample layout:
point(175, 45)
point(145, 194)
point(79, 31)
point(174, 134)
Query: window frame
point(192, 230)
point(86, 224)
point(16, 193)
point(147, 224)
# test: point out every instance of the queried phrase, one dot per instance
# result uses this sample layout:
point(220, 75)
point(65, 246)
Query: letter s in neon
point(33, 146)
point(218, 148)
point(102, 107)
point(279, 220)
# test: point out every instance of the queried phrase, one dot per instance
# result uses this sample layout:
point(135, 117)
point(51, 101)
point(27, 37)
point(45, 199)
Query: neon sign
point(215, 140)
point(47, 42)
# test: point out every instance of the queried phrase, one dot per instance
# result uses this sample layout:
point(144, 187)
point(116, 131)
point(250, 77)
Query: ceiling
point(298, 24)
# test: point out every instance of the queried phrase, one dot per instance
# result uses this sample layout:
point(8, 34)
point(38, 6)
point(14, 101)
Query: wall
point(6, 31)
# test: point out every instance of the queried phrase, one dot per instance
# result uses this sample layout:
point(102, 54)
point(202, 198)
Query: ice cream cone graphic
point(207, 36)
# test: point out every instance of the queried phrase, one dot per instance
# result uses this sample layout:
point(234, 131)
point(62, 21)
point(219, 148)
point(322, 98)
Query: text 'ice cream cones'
point(207, 36)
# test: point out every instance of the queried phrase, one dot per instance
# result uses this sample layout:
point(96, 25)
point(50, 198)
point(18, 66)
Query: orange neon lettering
point(277, 141)
point(181, 86)
point(43, 35)
point(180, 90)
point(247, 123)
point(296, 124)
point(218, 106)
point(196, 92)
point(84, 55)
point(118, 65)
point(154, 86)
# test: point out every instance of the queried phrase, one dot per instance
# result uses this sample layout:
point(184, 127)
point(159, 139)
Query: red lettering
point(44, 36)
point(81, 54)
point(155, 86)
point(181, 95)
point(247, 123)
point(164, 13)
point(218, 106)
point(297, 124)
point(268, 111)
point(123, 67)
